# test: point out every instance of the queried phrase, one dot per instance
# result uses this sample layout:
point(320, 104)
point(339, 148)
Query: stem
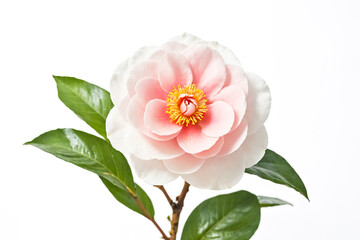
point(177, 208)
point(168, 198)
point(148, 216)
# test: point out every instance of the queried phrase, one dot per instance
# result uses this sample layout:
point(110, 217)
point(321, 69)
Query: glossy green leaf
point(271, 202)
point(90, 102)
point(275, 168)
point(88, 152)
point(128, 200)
point(226, 217)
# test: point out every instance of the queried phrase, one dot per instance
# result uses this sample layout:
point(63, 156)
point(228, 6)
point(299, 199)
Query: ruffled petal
point(157, 120)
point(258, 102)
point(117, 129)
point(174, 46)
point(228, 56)
point(192, 140)
point(119, 79)
point(236, 76)
point(139, 71)
point(253, 149)
point(147, 148)
point(136, 118)
point(148, 89)
point(234, 139)
point(214, 150)
point(218, 173)
point(218, 119)
point(236, 98)
point(209, 72)
point(184, 164)
point(187, 39)
point(152, 171)
point(174, 70)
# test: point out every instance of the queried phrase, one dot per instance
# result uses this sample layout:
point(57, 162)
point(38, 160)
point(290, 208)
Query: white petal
point(152, 171)
point(218, 173)
point(184, 164)
point(258, 102)
point(187, 39)
point(117, 130)
point(147, 148)
point(253, 149)
point(228, 56)
point(119, 79)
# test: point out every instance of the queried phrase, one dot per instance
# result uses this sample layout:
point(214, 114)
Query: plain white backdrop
point(307, 51)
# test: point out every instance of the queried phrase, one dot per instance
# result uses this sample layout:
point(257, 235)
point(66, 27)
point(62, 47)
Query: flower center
point(186, 105)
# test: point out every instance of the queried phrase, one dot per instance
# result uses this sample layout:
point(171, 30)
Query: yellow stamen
point(174, 101)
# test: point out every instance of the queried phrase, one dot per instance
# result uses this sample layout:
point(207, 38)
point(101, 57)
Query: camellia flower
point(188, 109)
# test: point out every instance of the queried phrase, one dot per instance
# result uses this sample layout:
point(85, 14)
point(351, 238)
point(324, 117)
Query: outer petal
point(152, 171)
point(157, 120)
point(258, 102)
point(234, 139)
point(148, 89)
point(236, 76)
point(174, 46)
point(187, 39)
point(228, 56)
point(139, 71)
point(119, 79)
point(253, 149)
point(192, 140)
point(136, 119)
point(214, 150)
point(218, 173)
point(208, 68)
point(218, 119)
point(117, 130)
point(184, 164)
point(236, 98)
point(147, 148)
point(174, 70)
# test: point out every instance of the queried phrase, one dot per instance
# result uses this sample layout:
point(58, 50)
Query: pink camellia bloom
point(188, 109)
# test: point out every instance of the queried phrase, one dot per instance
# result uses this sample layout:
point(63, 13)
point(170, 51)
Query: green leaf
point(275, 168)
point(226, 217)
point(90, 102)
point(88, 152)
point(271, 202)
point(127, 199)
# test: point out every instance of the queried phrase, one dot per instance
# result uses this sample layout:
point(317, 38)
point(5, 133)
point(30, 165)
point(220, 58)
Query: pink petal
point(192, 140)
point(208, 68)
point(174, 46)
point(174, 70)
point(147, 148)
point(236, 76)
point(214, 150)
point(217, 120)
point(136, 118)
point(235, 97)
point(253, 149)
point(218, 173)
point(157, 120)
point(152, 171)
point(234, 139)
point(228, 56)
point(118, 87)
point(258, 102)
point(187, 39)
point(184, 164)
point(148, 89)
point(139, 71)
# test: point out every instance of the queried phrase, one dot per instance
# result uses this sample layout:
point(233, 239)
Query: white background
point(307, 51)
